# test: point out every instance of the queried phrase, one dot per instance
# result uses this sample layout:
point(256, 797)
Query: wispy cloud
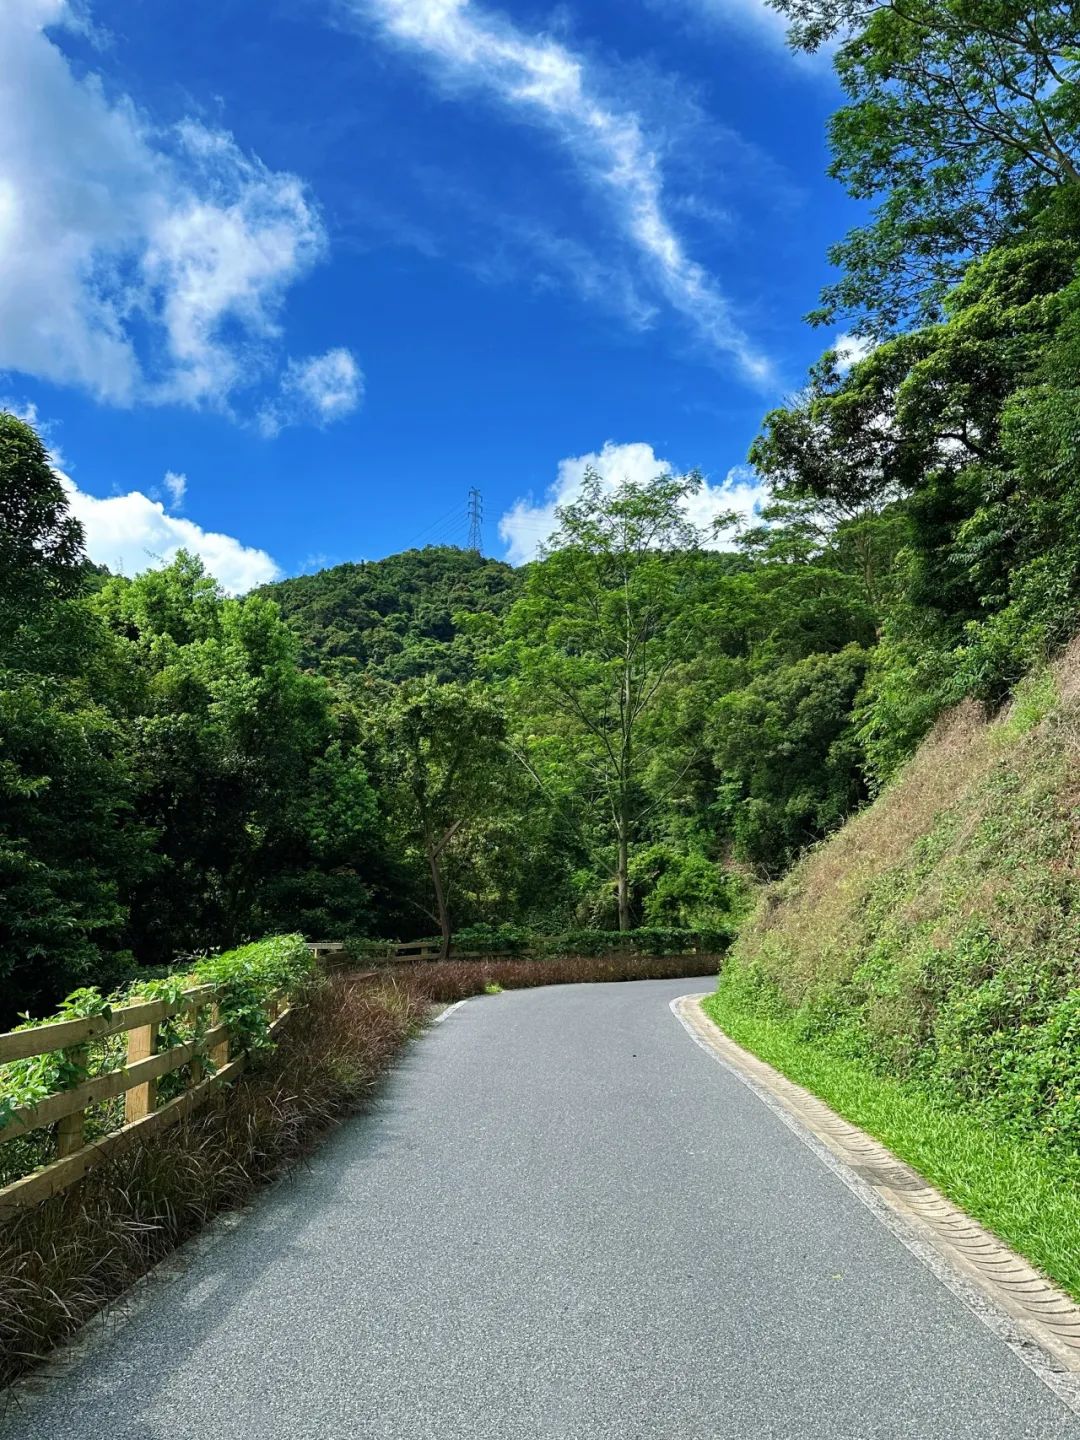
point(757, 19)
point(176, 488)
point(544, 82)
point(137, 262)
point(529, 522)
point(316, 390)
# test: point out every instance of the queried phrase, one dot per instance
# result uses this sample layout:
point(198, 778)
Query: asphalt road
point(563, 1220)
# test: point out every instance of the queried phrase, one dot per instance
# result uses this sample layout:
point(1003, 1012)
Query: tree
point(67, 847)
point(787, 747)
point(596, 636)
point(964, 116)
point(443, 745)
point(245, 774)
point(41, 543)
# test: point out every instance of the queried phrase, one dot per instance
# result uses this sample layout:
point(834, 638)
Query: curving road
point(564, 1220)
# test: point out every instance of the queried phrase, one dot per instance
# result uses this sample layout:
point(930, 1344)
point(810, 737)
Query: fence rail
point(136, 1080)
point(338, 950)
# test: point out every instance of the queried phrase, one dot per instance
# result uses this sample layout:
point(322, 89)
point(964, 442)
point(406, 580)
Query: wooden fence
point(136, 1080)
point(336, 952)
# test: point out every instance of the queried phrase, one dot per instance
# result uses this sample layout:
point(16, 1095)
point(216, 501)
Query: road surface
point(563, 1220)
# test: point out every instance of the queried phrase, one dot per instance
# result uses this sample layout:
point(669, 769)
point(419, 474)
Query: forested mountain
point(395, 617)
point(637, 727)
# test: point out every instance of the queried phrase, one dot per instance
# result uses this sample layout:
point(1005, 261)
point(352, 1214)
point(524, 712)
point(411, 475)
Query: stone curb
point(1039, 1322)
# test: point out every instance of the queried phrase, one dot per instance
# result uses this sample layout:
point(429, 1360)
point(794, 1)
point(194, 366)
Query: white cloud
point(131, 533)
point(548, 84)
point(317, 390)
point(850, 349)
point(757, 18)
point(755, 15)
point(527, 524)
point(136, 263)
point(27, 411)
point(176, 485)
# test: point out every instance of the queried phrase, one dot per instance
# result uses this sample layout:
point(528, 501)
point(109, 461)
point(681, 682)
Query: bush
point(648, 940)
point(250, 976)
point(246, 979)
point(494, 940)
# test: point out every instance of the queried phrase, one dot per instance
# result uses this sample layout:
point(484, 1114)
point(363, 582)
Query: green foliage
point(246, 978)
point(41, 545)
point(644, 940)
point(962, 117)
point(683, 888)
point(787, 743)
point(443, 759)
point(593, 643)
point(935, 938)
point(483, 939)
point(397, 619)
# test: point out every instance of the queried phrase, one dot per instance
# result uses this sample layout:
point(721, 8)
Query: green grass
point(1026, 1194)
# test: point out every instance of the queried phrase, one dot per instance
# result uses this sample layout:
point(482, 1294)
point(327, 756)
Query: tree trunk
point(624, 874)
point(440, 904)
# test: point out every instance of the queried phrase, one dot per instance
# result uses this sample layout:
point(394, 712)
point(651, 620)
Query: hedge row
point(514, 940)
point(245, 979)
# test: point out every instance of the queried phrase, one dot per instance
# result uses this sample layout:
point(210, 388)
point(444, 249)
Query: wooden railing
point(136, 1080)
point(337, 950)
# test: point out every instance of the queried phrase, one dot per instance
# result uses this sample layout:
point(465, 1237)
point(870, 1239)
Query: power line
point(476, 521)
point(450, 516)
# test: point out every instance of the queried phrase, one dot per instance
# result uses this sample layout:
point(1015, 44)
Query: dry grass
point(981, 814)
point(937, 936)
point(445, 981)
point(61, 1261)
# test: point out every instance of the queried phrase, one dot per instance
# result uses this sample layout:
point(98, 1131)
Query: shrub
point(935, 938)
point(493, 939)
point(246, 979)
point(250, 976)
point(648, 940)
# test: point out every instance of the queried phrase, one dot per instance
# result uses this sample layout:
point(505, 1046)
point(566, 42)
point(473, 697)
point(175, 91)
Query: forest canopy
point(638, 726)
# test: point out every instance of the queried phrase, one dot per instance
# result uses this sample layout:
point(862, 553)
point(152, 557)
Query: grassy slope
point(920, 970)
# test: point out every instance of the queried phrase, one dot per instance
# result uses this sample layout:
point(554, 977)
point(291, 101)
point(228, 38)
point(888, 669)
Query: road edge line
point(971, 1262)
point(445, 1014)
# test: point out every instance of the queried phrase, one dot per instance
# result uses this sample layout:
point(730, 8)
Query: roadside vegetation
point(61, 1261)
point(647, 731)
point(918, 971)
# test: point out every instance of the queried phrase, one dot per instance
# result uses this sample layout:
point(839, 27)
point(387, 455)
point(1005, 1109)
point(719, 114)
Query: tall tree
point(964, 117)
point(67, 850)
point(41, 542)
point(442, 750)
point(596, 637)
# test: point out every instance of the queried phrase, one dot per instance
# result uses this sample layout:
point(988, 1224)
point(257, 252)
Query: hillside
point(936, 936)
point(395, 616)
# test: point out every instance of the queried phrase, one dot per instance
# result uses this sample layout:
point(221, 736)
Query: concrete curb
point(1039, 1322)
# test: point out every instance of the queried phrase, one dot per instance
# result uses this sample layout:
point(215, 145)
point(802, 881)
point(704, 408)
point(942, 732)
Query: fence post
point(140, 1100)
point(196, 1069)
point(71, 1129)
point(219, 1054)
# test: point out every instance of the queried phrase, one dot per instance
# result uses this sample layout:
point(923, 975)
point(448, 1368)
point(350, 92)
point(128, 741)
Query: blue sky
point(282, 279)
